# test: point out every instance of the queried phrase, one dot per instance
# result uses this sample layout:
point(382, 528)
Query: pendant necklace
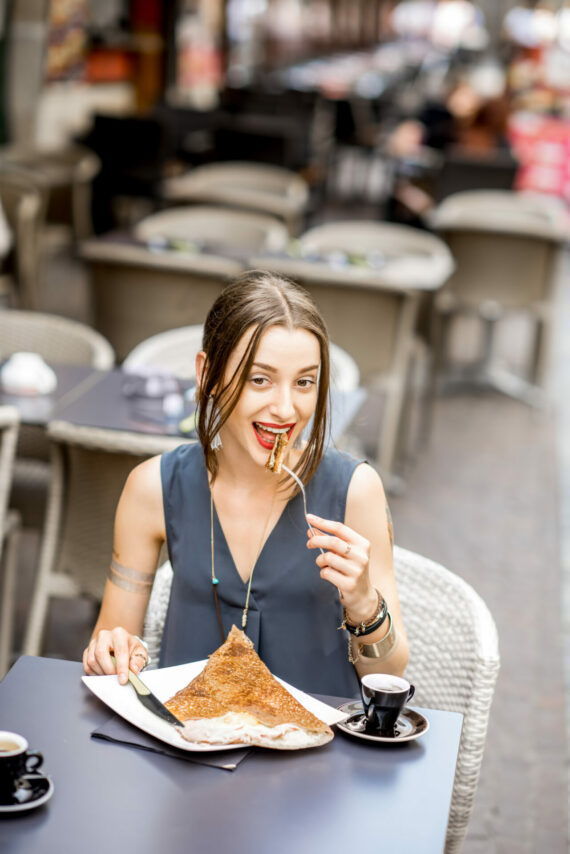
point(216, 581)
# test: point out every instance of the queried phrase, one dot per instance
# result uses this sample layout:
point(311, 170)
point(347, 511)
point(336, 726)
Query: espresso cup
point(16, 759)
point(383, 698)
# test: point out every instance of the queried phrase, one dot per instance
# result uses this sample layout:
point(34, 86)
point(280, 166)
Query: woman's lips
point(267, 438)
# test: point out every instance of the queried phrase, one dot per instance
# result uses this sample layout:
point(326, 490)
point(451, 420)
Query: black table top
point(346, 796)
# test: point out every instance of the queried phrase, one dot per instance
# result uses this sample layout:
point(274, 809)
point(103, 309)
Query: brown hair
point(257, 300)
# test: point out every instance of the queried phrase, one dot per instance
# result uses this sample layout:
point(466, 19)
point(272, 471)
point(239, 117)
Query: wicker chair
point(249, 186)
point(372, 313)
point(24, 204)
point(89, 468)
point(230, 230)
point(9, 533)
point(454, 664)
point(454, 660)
point(57, 339)
point(506, 246)
point(65, 176)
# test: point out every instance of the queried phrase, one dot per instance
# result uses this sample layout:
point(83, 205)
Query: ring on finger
point(347, 550)
point(141, 655)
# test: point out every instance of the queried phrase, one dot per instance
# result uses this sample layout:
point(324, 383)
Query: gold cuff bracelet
point(382, 648)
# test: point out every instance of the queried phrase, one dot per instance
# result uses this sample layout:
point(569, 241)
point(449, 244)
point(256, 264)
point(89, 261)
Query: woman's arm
point(139, 534)
point(358, 560)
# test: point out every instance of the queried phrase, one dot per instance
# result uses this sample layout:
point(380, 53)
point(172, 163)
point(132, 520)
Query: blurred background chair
point(66, 176)
point(24, 206)
point(174, 351)
point(506, 247)
point(218, 228)
point(454, 664)
point(141, 290)
point(454, 660)
point(89, 469)
point(367, 278)
point(250, 186)
point(56, 339)
point(9, 533)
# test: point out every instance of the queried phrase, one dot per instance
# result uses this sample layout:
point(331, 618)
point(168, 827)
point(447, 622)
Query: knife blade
point(149, 701)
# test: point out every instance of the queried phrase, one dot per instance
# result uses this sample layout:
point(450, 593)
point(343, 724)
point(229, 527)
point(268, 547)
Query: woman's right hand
point(127, 649)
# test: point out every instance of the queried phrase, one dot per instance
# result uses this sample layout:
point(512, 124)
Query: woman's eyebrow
point(271, 369)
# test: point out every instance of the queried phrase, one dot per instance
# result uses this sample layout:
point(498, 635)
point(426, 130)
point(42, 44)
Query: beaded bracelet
point(366, 627)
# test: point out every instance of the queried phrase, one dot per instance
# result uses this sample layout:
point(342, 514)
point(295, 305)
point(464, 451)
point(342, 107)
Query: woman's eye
point(259, 381)
point(306, 382)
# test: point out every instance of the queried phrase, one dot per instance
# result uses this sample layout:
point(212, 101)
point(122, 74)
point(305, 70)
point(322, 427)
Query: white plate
point(164, 683)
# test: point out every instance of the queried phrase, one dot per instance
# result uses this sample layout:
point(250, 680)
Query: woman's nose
point(282, 404)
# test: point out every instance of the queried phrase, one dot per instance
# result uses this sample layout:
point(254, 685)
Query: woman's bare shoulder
point(144, 481)
point(365, 485)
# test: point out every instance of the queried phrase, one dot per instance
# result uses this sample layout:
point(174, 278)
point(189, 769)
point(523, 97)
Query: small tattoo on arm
point(131, 580)
point(390, 526)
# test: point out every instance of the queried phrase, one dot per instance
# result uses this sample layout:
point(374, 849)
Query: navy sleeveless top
point(293, 615)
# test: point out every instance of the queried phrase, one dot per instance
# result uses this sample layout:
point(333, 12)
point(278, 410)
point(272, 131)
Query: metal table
point(346, 796)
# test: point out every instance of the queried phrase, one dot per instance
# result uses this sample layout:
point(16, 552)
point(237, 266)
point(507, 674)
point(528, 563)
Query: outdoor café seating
point(55, 339)
point(506, 247)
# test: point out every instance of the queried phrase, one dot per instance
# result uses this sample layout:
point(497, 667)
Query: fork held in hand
point(303, 493)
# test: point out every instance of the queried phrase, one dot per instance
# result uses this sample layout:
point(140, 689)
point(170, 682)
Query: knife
point(148, 699)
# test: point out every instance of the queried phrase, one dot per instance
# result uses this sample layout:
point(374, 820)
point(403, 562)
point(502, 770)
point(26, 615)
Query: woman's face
point(279, 394)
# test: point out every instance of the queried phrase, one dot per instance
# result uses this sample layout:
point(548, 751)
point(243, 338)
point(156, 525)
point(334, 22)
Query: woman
point(236, 532)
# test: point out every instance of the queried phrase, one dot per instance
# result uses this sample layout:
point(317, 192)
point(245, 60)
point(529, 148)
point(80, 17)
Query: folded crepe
point(236, 700)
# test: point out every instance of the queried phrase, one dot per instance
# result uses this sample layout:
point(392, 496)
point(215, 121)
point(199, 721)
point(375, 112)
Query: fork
point(304, 494)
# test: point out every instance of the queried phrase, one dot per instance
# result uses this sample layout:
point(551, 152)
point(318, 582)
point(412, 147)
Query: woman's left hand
point(345, 563)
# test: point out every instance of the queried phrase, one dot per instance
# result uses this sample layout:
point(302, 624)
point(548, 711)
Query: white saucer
point(409, 726)
point(33, 791)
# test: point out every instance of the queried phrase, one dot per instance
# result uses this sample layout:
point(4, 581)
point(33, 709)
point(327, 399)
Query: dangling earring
point(216, 442)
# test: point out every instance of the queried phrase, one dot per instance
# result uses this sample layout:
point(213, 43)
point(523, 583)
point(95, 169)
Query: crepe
point(276, 456)
point(236, 700)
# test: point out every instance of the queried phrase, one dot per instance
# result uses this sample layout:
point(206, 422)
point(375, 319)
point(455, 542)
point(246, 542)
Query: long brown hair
point(257, 300)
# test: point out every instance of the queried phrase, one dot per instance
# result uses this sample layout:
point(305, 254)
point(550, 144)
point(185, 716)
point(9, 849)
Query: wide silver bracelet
point(382, 648)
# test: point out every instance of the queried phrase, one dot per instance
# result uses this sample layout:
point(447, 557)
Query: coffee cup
point(383, 698)
point(16, 759)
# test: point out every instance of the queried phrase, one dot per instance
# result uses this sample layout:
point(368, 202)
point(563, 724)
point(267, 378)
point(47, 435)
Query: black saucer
point(32, 791)
point(409, 726)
